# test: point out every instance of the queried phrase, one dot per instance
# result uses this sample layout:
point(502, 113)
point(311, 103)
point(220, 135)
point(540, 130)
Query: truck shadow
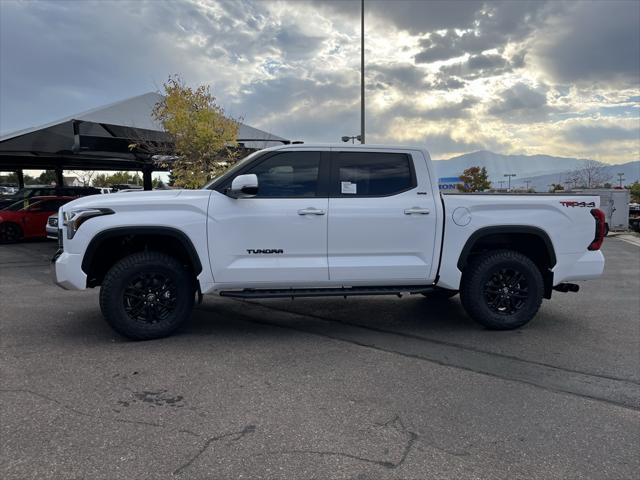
point(415, 313)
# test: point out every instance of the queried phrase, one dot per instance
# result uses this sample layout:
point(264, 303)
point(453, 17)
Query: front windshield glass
point(229, 173)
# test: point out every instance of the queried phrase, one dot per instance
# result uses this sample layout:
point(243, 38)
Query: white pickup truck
point(325, 220)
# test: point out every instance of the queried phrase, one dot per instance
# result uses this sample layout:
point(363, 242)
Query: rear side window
point(288, 174)
point(372, 174)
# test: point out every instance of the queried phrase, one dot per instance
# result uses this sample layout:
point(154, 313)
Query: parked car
point(20, 221)
point(46, 190)
point(318, 220)
point(52, 227)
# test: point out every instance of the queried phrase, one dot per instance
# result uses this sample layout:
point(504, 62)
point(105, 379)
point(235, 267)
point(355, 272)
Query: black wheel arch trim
point(179, 235)
point(504, 230)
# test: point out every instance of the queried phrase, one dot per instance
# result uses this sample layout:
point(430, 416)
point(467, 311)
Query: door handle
point(311, 211)
point(417, 211)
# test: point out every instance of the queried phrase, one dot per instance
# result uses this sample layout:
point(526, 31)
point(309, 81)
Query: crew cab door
point(277, 238)
point(382, 218)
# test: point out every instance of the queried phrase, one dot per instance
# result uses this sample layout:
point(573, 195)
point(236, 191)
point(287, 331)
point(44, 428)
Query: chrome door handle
point(417, 211)
point(311, 211)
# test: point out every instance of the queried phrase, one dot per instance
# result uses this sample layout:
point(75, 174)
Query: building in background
point(448, 184)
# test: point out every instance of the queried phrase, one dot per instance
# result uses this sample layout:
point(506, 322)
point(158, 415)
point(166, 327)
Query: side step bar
point(325, 292)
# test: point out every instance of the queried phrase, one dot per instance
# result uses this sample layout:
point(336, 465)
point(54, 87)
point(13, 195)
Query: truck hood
point(124, 201)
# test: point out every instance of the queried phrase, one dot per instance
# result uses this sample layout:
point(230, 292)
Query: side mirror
point(244, 186)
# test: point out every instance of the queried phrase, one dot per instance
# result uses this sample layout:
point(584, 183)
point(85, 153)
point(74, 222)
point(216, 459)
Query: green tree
point(101, 180)
point(117, 178)
point(202, 134)
point(172, 179)
point(556, 187)
point(474, 179)
point(635, 191)
point(47, 177)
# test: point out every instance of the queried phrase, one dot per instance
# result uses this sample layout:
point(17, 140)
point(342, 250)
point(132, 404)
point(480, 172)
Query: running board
point(325, 292)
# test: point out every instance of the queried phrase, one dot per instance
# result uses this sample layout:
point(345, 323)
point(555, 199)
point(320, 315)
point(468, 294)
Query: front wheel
point(147, 295)
point(502, 290)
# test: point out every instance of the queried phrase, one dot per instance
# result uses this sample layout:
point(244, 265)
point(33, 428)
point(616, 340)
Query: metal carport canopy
point(99, 139)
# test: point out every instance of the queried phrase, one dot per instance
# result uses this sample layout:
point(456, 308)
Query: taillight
point(598, 215)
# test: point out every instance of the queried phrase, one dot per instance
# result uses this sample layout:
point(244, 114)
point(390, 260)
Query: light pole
point(509, 175)
point(361, 72)
point(346, 138)
point(528, 182)
point(620, 178)
point(501, 182)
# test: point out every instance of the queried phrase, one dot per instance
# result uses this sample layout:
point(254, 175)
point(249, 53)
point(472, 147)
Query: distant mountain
point(540, 183)
point(497, 164)
point(540, 169)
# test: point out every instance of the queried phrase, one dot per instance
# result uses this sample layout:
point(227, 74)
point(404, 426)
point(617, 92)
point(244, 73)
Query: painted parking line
point(632, 239)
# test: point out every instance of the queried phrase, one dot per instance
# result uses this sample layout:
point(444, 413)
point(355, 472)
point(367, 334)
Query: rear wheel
point(10, 232)
point(147, 295)
point(502, 290)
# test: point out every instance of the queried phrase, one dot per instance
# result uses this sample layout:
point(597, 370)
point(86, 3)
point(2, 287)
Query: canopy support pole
point(20, 175)
point(146, 177)
point(59, 177)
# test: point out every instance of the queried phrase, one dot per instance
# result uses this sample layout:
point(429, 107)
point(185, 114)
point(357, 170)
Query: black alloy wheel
point(150, 297)
point(506, 291)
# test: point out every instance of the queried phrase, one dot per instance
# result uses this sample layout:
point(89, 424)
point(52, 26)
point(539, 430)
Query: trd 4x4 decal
point(574, 203)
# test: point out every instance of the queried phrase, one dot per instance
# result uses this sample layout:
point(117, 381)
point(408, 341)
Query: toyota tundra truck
point(306, 220)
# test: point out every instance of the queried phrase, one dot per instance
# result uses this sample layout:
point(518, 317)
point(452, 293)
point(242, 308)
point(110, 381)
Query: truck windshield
point(231, 172)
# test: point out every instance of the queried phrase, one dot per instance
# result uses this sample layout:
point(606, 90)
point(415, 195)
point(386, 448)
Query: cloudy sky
point(554, 77)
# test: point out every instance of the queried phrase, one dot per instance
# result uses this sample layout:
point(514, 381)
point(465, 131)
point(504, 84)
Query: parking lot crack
point(233, 436)
point(76, 411)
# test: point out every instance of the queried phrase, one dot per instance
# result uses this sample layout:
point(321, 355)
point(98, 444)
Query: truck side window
point(369, 174)
point(288, 174)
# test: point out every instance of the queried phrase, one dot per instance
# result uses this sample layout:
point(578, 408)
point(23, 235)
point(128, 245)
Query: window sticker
point(349, 188)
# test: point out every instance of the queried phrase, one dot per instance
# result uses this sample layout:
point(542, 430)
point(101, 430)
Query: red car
point(28, 218)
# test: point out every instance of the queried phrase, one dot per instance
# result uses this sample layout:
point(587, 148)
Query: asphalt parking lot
point(362, 388)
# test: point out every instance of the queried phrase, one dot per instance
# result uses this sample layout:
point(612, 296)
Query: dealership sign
point(449, 183)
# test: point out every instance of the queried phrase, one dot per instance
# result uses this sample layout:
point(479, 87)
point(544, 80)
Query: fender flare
point(185, 241)
point(505, 230)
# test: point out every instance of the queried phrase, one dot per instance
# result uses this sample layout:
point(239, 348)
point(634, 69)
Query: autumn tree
point(590, 174)
point(203, 136)
point(474, 179)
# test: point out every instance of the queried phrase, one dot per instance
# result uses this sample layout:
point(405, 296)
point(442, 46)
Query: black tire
point(440, 294)
point(483, 293)
point(10, 232)
point(147, 295)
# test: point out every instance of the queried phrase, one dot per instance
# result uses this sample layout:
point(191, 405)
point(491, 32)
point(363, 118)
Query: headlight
point(74, 218)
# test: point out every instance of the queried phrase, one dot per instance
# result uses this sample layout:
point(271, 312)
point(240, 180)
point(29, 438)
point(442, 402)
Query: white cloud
point(516, 77)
